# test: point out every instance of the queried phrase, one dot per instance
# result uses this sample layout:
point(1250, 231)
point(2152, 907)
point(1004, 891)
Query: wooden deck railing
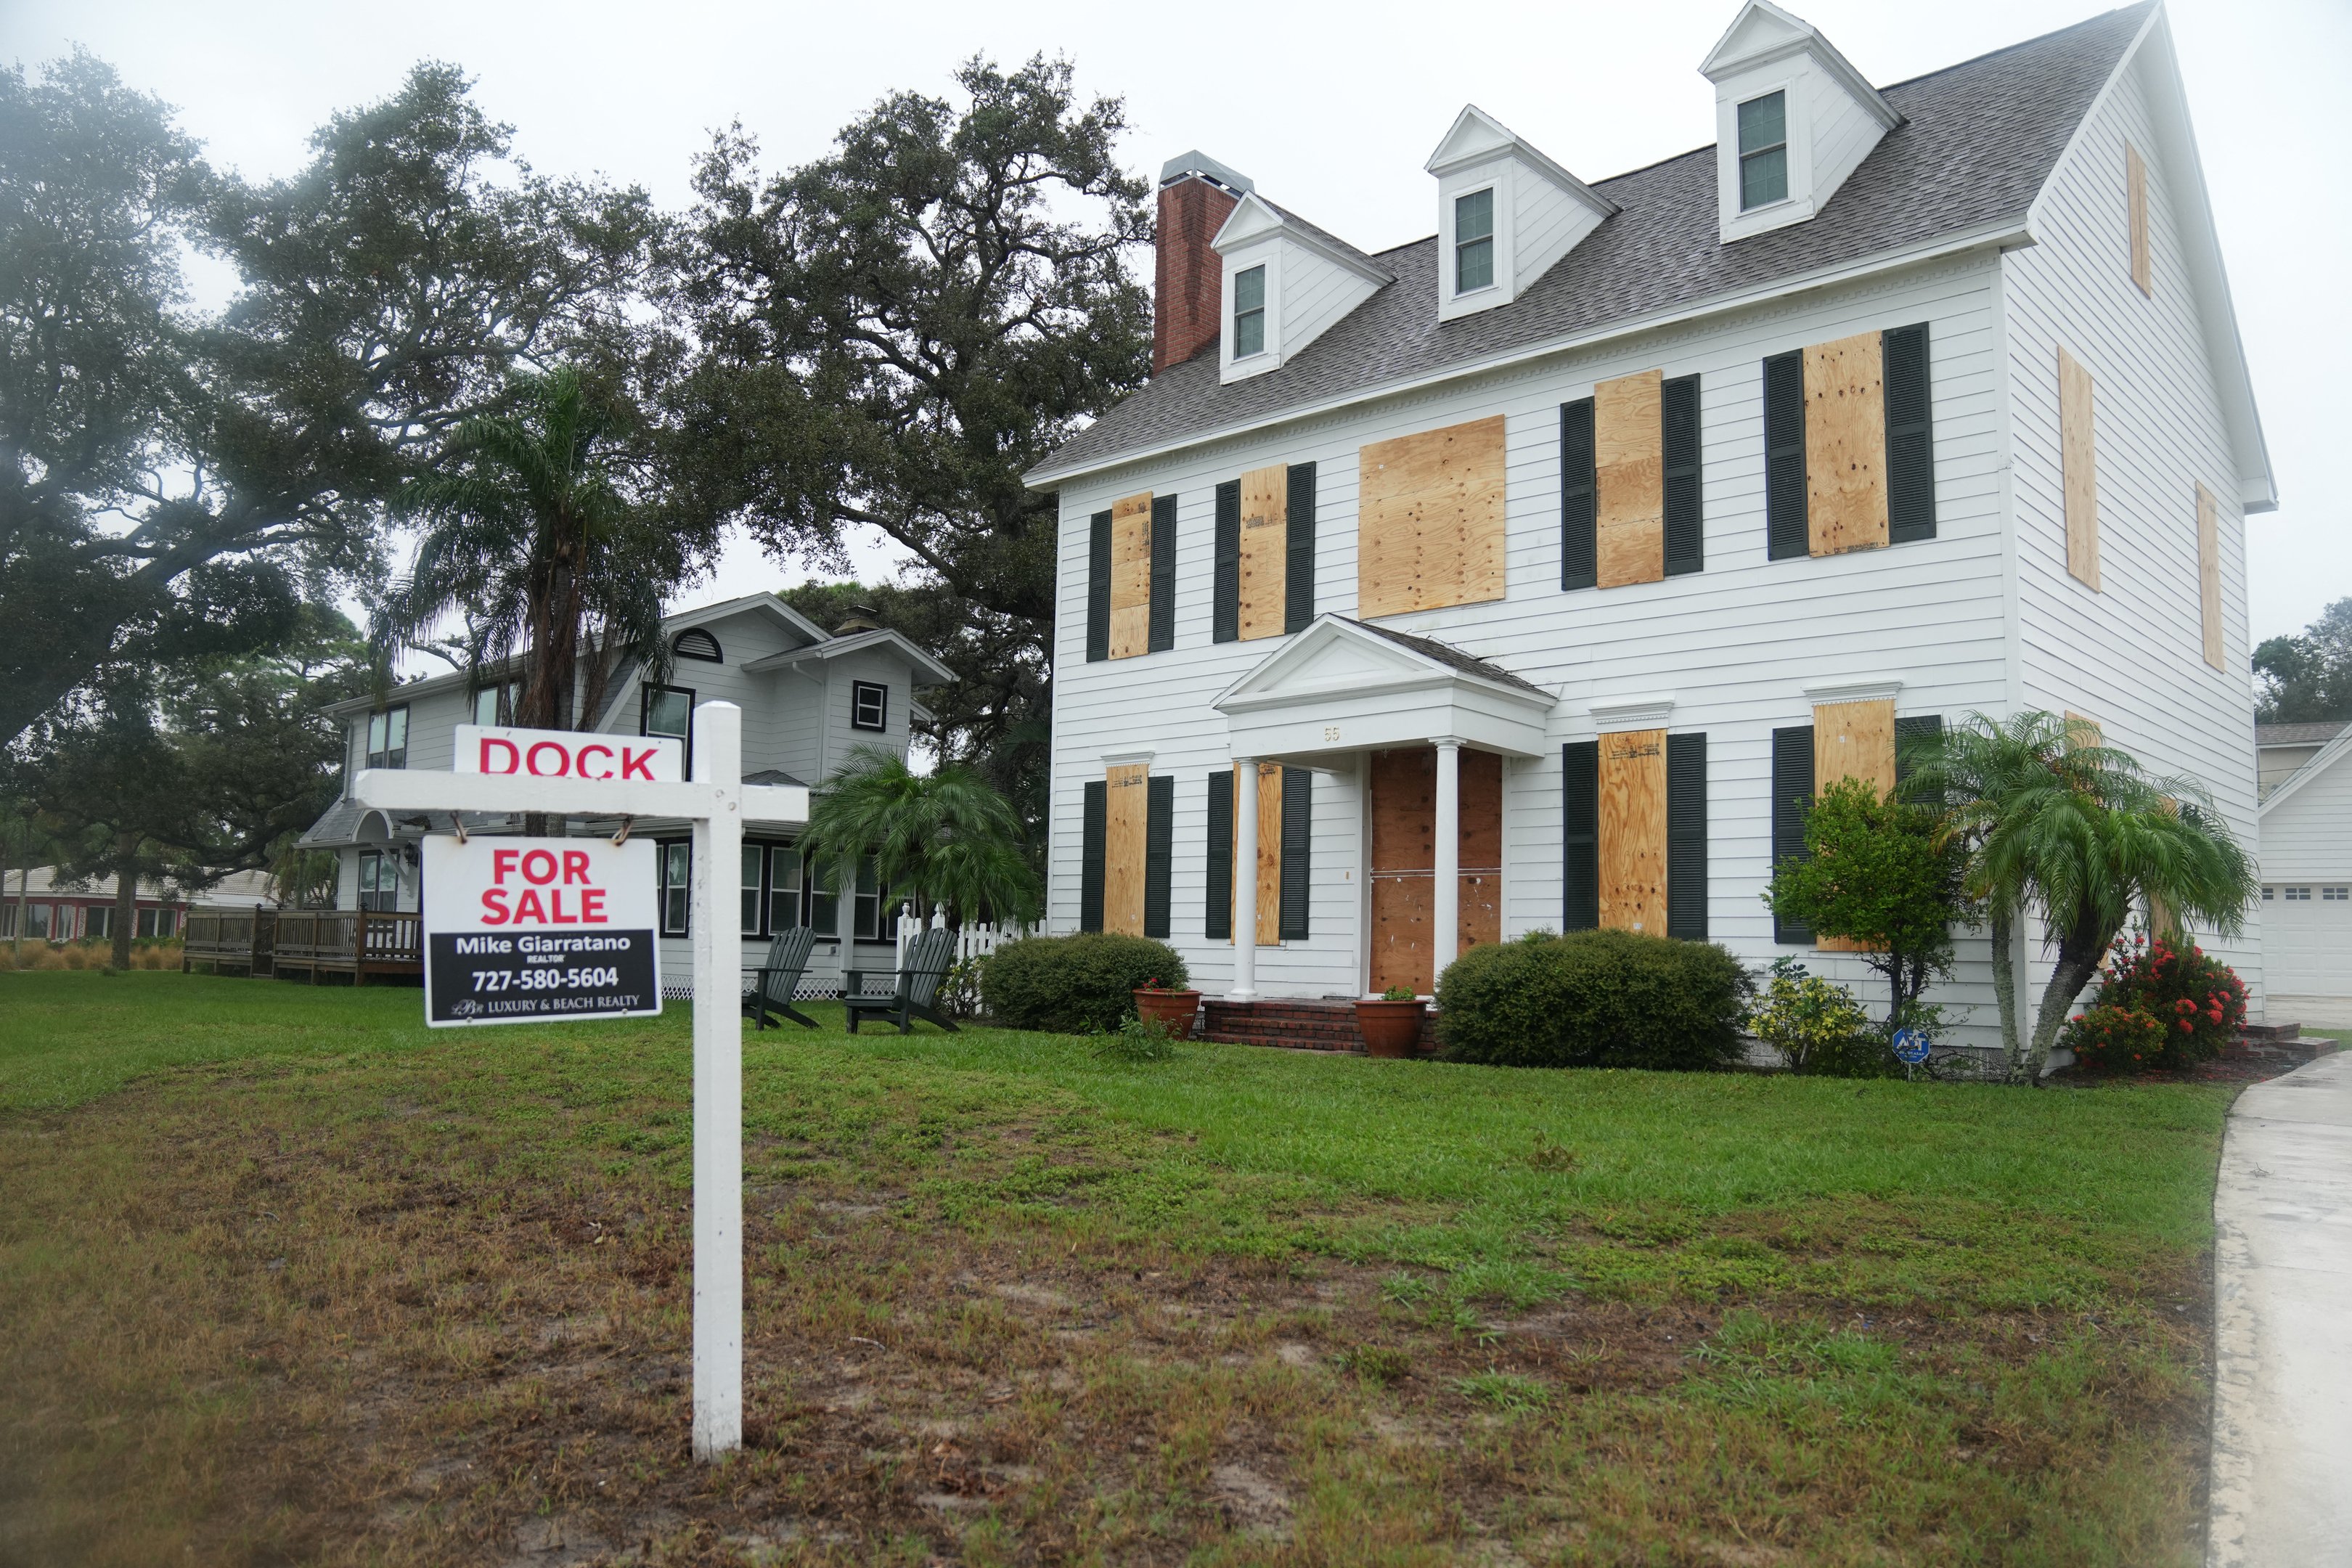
point(359, 942)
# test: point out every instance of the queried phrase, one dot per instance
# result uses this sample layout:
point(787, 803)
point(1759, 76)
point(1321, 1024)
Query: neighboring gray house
point(1537, 574)
point(809, 697)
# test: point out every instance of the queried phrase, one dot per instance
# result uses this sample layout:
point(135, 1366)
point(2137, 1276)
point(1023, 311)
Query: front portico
point(1397, 712)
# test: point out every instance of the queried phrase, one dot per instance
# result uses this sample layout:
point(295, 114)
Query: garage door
point(2308, 938)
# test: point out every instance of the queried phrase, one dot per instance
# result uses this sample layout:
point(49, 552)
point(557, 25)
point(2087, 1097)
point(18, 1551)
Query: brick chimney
point(1196, 193)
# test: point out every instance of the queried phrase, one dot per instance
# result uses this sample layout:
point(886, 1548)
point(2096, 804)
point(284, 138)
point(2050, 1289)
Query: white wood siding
point(1736, 644)
point(2131, 655)
point(1545, 224)
point(1842, 133)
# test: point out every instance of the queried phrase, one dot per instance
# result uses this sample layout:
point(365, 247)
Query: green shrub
point(1818, 1029)
point(1076, 984)
point(1594, 998)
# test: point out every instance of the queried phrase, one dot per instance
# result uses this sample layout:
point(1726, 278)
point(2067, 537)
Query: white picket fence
point(973, 939)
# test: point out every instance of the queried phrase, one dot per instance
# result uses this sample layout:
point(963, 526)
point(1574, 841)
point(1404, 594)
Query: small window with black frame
point(866, 917)
point(669, 711)
point(677, 870)
point(495, 705)
point(755, 865)
point(387, 738)
point(869, 705)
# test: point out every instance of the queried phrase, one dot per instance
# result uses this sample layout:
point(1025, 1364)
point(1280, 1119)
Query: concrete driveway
point(2282, 1478)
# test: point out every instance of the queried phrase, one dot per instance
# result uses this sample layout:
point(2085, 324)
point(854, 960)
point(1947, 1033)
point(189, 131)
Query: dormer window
point(1763, 151)
point(1249, 312)
point(1474, 241)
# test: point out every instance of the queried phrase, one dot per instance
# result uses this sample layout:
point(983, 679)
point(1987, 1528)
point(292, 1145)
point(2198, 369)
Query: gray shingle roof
point(1978, 142)
point(1449, 656)
point(2318, 734)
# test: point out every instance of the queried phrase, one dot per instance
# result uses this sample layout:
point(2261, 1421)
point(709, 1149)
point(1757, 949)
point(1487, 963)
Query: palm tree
point(531, 533)
point(2080, 834)
point(941, 837)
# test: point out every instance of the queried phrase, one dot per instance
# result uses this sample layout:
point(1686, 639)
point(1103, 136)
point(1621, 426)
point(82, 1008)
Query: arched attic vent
point(696, 643)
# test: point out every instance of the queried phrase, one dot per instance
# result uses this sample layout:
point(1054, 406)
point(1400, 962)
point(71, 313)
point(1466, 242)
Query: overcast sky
point(1331, 109)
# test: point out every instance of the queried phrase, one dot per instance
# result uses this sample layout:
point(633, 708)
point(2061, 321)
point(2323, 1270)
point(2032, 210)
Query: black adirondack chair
point(773, 985)
point(917, 988)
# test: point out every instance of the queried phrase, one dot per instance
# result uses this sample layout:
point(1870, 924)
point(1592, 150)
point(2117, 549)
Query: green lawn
point(307, 1281)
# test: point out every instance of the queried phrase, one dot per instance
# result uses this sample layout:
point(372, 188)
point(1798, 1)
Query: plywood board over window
point(1854, 741)
point(1130, 576)
point(1430, 519)
point(1632, 798)
point(2136, 199)
point(2078, 461)
point(1127, 811)
point(1402, 785)
point(2208, 574)
point(1845, 445)
point(1629, 467)
point(1264, 570)
point(1269, 853)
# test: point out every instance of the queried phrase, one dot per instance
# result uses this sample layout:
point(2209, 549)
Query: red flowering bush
point(2159, 1005)
point(2114, 1040)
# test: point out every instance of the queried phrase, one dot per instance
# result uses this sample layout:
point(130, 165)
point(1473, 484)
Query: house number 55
point(1330, 732)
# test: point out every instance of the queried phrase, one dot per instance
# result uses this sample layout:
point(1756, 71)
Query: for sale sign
point(568, 754)
point(522, 930)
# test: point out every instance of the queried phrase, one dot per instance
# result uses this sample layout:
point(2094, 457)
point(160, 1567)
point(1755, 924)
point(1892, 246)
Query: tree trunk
point(2005, 990)
point(126, 897)
point(2078, 959)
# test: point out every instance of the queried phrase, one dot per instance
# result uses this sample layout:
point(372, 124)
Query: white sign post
point(716, 801)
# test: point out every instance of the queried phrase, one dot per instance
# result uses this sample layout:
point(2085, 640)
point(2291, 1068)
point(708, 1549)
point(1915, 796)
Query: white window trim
point(1451, 188)
point(1798, 204)
point(1788, 152)
point(1268, 255)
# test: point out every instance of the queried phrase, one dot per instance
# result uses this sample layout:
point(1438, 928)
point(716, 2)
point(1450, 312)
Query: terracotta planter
point(1391, 1028)
point(1174, 1009)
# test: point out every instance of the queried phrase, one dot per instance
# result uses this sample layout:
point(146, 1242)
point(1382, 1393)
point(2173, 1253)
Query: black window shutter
point(1298, 586)
point(1792, 800)
point(1298, 848)
point(1910, 734)
point(1687, 837)
point(1686, 529)
point(1580, 834)
point(1910, 436)
point(1784, 456)
point(1226, 610)
point(1580, 496)
point(1090, 858)
point(1219, 925)
point(1099, 589)
point(1159, 853)
point(1163, 574)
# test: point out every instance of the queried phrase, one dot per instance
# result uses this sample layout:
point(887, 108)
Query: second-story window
point(387, 739)
point(1249, 312)
point(1474, 241)
point(667, 711)
point(869, 705)
point(1764, 151)
point(495, 705)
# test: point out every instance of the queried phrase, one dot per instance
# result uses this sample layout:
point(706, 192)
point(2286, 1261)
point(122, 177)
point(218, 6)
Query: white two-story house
point(1533, 575)
point(809, 699)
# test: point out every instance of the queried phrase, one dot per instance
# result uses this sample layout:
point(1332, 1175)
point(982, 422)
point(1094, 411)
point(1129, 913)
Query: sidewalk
point(2282, 1497)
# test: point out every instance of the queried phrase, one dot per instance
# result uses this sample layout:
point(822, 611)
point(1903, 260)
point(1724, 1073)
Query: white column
point(717, 1085)
point(1445, 919)
point(1245, 881)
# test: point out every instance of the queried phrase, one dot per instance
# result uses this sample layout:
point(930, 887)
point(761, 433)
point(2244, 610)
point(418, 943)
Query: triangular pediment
point(1475, 135)
point(1339, 654)
point(1331, 656)
point(1252, 219)
point(1762, 31)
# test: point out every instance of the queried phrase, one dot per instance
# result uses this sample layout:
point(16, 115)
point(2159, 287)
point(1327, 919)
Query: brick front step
point(1297, 1024)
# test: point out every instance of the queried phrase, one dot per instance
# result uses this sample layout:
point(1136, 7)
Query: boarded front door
point(1403, 786)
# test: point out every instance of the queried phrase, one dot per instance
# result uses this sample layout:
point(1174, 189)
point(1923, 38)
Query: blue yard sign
point(1910, 1047)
